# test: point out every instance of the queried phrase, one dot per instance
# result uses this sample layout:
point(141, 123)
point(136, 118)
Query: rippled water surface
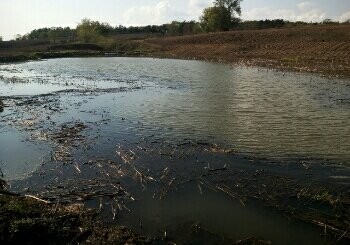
point(254, 111)
point(187, 148)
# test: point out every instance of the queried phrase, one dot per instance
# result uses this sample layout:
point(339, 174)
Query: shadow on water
point(213, 218)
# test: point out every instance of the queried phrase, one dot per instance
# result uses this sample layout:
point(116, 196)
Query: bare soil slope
point(323, 49)
point(320, 48)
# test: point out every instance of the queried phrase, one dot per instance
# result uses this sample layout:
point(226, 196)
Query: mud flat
point(174, 153)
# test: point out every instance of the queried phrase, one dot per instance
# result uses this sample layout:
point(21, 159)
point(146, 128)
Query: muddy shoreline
point(320, 50)
point(28, 219)
point(272, 64)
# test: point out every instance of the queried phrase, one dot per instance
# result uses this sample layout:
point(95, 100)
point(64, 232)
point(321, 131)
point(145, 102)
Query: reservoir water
point(169, 132)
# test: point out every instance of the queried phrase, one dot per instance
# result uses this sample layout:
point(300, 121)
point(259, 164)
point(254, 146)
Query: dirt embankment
point(322, 49)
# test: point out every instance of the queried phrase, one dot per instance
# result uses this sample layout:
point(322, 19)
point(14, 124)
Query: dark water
point(254, 111)
point(151, 108)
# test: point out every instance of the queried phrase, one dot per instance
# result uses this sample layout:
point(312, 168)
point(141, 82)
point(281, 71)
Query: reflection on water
point(153, 109)
point(268, 113)
point(251, 110)
point(19, 158)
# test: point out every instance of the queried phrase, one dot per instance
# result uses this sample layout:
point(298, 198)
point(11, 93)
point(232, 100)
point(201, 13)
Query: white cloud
point(148, 14)
point(195, 7)
point(305, 12)
point(164, 11)
point(313, 15)
point(344, 17)
point(305, 6)
point(267, 13)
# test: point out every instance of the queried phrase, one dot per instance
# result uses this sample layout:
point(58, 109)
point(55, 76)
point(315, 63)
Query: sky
point(22, 16)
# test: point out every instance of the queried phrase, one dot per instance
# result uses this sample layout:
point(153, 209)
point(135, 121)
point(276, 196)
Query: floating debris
point(66, 140)
point(2, 106)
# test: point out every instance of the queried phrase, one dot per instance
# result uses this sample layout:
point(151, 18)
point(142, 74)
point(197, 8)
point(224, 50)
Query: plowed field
point(323, 49)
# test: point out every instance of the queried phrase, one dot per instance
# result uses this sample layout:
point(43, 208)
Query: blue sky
point(21, 16)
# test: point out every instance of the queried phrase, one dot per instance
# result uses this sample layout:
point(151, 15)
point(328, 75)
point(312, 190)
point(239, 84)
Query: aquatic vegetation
point(319, 194)
point(27, 221)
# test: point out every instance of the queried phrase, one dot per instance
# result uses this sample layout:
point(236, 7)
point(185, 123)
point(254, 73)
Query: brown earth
point(323, 49)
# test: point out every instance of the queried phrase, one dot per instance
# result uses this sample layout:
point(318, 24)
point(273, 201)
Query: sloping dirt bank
point(321, 49)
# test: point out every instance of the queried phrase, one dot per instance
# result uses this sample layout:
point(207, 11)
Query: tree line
point(89, 30)
point(224, 15)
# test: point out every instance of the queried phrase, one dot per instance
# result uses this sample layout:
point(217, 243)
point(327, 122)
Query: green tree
point(215, 19)
point(233, 6)
point(0, 38)
point(329, 21)
point(52, 35)
point(92, 31)
point(224, 15)
point(173, 29)
point(177, 28)
point(18, 37)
